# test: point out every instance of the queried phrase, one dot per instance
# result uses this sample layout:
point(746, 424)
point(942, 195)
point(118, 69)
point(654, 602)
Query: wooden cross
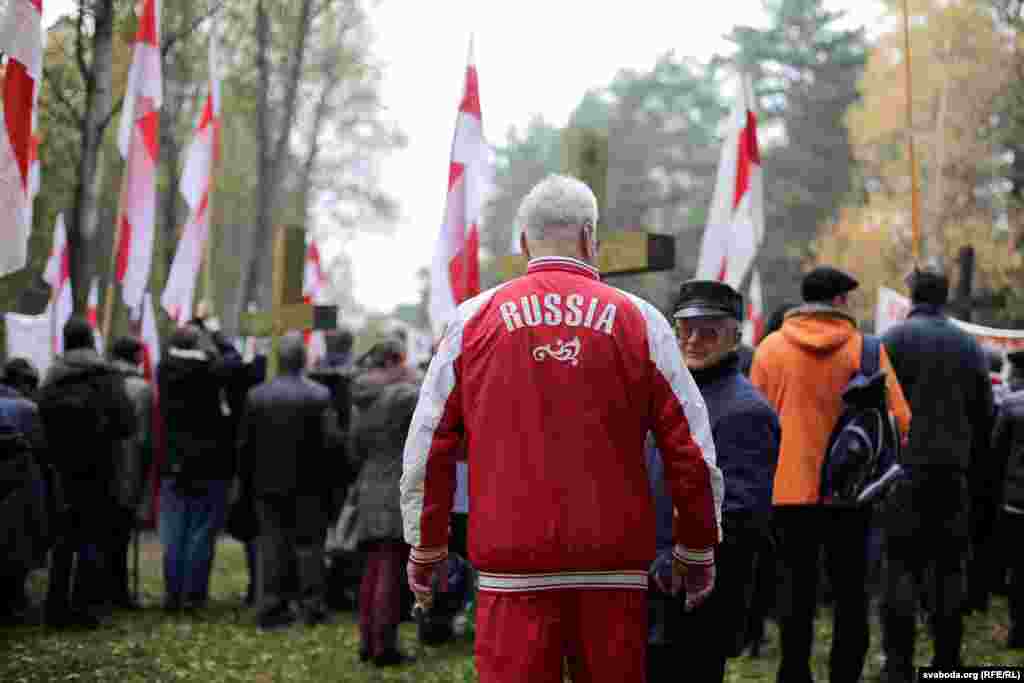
point(288, 311)
point(622, 252)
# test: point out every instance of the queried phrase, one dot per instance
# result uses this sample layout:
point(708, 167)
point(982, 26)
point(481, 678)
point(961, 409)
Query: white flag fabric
point(314, 288)
point(139, 143)
point(58, 275)
point(891, 309)
point(753, 323)
point(150, 336)
point(455, 269)
point(735, 227)
point(92, 313)
point(28, 336)
point(196, 183)
point(22, 42)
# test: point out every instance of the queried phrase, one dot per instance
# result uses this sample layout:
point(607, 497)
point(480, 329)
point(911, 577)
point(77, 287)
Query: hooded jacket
point(91, 464)
point(802, 370)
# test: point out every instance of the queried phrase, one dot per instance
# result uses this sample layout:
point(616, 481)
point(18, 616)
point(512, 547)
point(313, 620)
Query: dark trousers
point(191, 518)
point(697, 643)
point(1013, 530)
point(77, 571)
point(293, 529)
point(380, 596)
point(116, 547)
point(803, 532)
point(926, 549)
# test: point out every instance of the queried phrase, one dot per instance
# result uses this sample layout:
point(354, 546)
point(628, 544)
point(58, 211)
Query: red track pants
point(524, 637)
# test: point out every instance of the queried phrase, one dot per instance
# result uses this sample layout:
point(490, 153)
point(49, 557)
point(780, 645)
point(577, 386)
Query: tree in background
point(961, 64)
point(805, 70)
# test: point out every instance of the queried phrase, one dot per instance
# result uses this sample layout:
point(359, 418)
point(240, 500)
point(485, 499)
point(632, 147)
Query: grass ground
point(222, 644)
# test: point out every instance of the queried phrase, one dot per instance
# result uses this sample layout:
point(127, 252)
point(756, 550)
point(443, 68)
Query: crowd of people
point(619, 491)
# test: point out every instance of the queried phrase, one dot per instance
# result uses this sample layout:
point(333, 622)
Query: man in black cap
point(950, 486)
point(802, 370)
point(1008, 451)
point(746, 432)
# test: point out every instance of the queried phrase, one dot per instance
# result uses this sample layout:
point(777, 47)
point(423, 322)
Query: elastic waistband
point(522, 583)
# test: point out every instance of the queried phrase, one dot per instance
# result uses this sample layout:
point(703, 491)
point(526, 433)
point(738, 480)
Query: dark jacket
point(22, 415)
point(1008, 450)
point(746, 432)
point(385, 402)
point(282, 438)
point(132, 461)
point(944, 375)
point(25, 517)
point(87, 469)
point(197, 431)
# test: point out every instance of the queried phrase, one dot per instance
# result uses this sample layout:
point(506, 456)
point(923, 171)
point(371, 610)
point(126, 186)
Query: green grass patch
point(222, 644)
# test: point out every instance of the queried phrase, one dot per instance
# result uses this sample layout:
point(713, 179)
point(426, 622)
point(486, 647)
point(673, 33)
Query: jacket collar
point(825, 310)
point(562, 263)
point(930, 310)
point(728, 365)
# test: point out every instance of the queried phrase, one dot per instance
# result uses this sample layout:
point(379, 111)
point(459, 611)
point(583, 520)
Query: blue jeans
point(189, 524)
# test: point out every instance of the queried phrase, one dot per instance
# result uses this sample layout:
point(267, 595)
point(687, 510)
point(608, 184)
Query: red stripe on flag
point(38, 4)
point(471, 96)
point(18, 96)
point(455, 171)
point(723, 270)
point(147, 24)
point(149, 125)
point(748, 155)
point(207, 118)
point(124, 248)
point(464, 268)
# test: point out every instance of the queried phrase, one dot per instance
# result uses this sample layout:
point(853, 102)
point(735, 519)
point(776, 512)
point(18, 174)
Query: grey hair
point(292, 354)
point(558, 201)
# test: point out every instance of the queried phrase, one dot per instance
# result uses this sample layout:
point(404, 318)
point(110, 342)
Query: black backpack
point(863, 449)
point(73, 415)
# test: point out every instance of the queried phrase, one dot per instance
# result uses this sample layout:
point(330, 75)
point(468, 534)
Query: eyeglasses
point(706, 332)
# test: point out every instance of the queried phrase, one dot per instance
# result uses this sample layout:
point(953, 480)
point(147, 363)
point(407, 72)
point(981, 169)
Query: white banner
point(893, 308)
point(28, 336)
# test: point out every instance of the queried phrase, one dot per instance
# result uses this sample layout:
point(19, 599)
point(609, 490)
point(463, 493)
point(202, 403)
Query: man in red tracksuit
point(554, 380)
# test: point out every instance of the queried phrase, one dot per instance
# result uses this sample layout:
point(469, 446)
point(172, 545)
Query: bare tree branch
point(83, 65)
point(173, 38)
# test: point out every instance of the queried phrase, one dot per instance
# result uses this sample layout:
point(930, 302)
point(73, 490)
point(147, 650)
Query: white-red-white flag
point(150, 337)
point(58, 276)
point(455, 270)
point(139, 144)
point(196, 185)
point(21, 41)
point(314, 288)
point(753, 323)
point(735, 227)
point(92, 312)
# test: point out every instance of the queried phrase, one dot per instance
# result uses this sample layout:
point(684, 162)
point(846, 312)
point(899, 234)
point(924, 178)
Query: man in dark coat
point(282, 458)
point(1008, 451)
point(944, 375)
point(85, 412)
point(24, 514)
point(746, 433)
point(199, 465)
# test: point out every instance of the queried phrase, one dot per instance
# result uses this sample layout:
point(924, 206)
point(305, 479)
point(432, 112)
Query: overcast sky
point(533, 57)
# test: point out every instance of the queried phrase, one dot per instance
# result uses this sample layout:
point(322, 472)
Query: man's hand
point(660, 573)
point(423, 576)
point(693, 572)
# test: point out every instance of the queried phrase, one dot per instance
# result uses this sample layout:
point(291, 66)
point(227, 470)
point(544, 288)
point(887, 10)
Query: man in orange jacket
point(802, 370)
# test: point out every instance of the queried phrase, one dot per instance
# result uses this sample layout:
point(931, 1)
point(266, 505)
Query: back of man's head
point(340, 341)
point(185, 337)
point(928, 287)
point(825, 283)
point(292, 354)
point(554, 206)
point(78, 334)
point(20, 374)
point(126, 349)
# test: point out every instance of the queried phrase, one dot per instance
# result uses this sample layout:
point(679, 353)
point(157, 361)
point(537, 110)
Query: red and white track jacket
point(554, 379)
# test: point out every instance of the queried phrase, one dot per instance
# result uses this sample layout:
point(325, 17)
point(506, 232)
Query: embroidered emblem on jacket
point(565, 352)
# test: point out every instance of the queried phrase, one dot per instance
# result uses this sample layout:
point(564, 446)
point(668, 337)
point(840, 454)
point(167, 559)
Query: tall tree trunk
point(273, 148)
point(98, 77)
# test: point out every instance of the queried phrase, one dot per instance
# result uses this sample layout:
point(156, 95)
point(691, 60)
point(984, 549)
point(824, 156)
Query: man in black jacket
point(746, 432)
point(191, 378)
point(282, 460)
point(85, 413)
point(944, 375)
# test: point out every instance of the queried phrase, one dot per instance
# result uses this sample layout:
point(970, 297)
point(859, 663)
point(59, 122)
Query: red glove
point(698, 580)
point(423, 576)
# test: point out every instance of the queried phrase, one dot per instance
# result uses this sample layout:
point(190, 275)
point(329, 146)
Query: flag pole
point(915, 199)
point(108, 312)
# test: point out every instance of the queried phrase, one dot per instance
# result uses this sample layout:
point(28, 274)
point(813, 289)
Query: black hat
point(825, 282)
point(1016, 359)
point(928, 285)
point(708, 299)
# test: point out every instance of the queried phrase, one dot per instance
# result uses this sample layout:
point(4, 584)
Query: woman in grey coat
point(385, 397)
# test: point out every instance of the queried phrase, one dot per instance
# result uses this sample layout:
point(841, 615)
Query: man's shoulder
point(743, 399)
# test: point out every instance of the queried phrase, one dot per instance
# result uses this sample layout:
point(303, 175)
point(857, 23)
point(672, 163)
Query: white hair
point(556, 203)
